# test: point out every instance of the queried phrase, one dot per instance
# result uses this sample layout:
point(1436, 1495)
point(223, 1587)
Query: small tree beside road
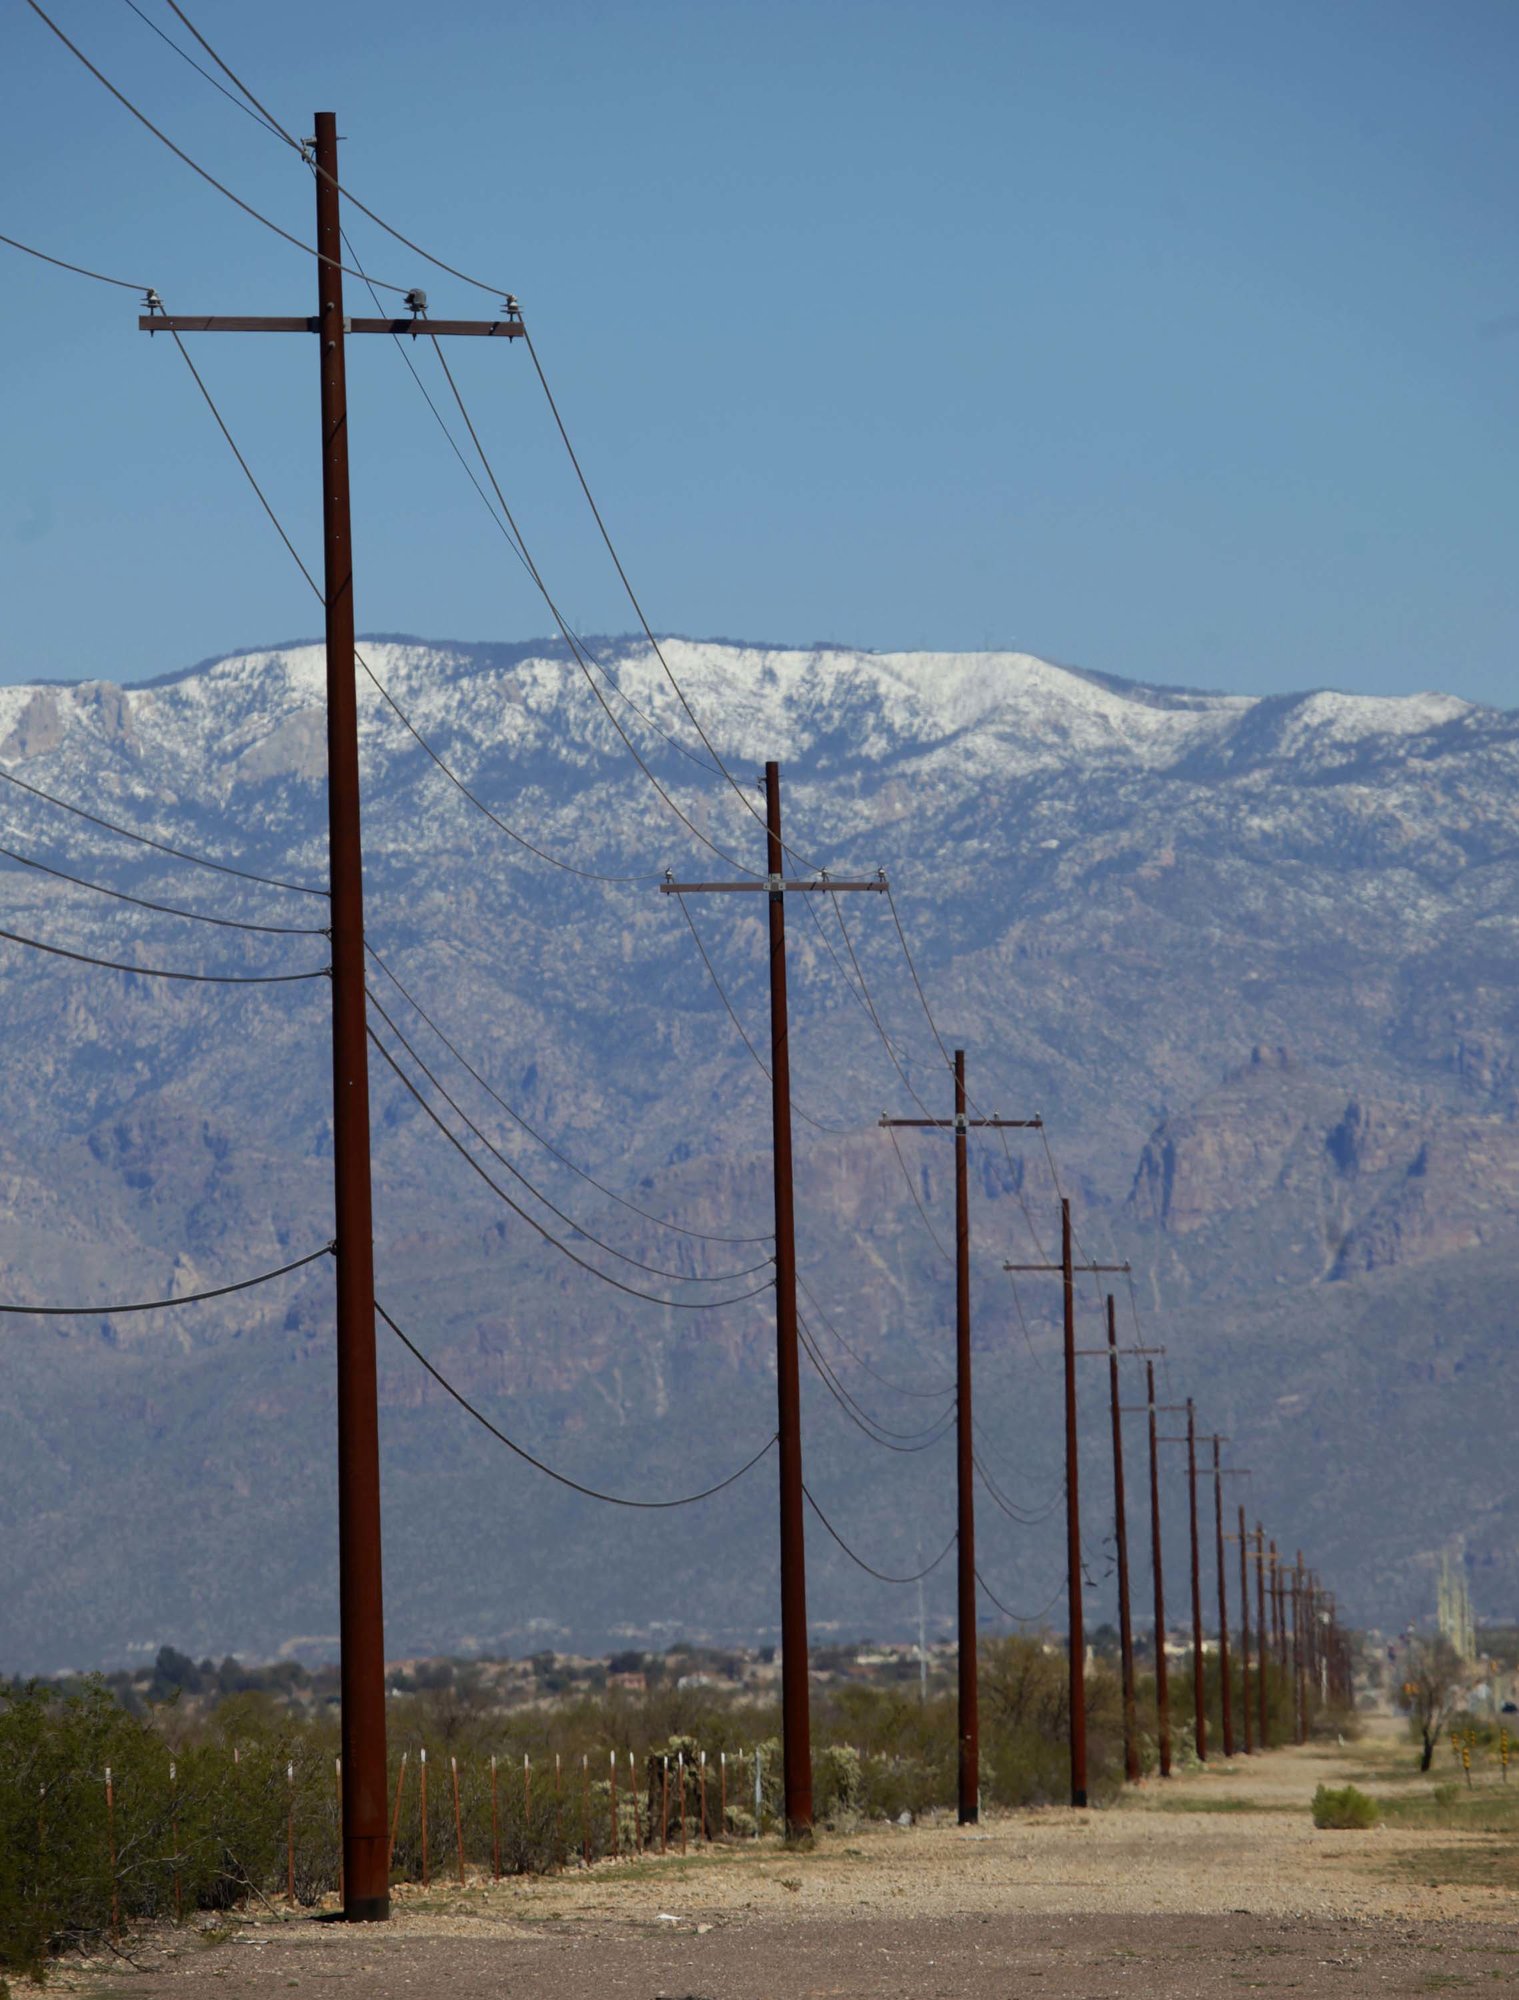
point(1433, 1677)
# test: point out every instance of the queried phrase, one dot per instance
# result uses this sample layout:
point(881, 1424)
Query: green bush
point(1344, 1809)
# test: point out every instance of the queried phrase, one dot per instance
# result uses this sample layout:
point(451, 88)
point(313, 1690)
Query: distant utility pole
point(796, 1743)
point(965, 1533)
point(1067, 1270)
point(1121, 1543)
point(1162, 1670)
point(1199, 1704)
point(1262, 1715)
point(366, 1866)
point(1244, 1634)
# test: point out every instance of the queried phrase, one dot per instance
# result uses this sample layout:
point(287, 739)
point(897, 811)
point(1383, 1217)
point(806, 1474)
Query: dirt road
point(1215, 1882)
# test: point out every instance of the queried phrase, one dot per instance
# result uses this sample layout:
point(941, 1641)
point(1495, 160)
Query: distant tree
point(173, 1673)
point(1432, 1679)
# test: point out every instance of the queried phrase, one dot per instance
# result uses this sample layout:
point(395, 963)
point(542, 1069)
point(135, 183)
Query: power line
point(454, 779)
point(877, 1432)
point(194, 166)
point(871, 1010)
point(922, 1211)
point(1018, 1515)
point(722, 995)
point(79, 270)
point(654, 1270)
point(891, 904)
point(161, 846)
point(158, 972)
point(158, 1305)
point(680, 1228)
point(1018, 1617)
point(162, 909)
point(581, 662)
point(259, 118)
point(674, 1305)
point(899, 1388)
point(880, 1575)
point(563, 1479)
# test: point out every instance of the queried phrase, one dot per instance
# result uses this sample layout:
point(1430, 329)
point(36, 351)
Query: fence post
point(453, 1764)
point(613, 1814)
point(290, 1831)
point(701, 1831)
point(758, 1762)
point(422, 1780)
point(558, 1812)
point(395, 1818)
point(664, 1802)
point(638, 1805)
point(495, 1826)
point(681, 1760)
point(179, 1887)
point(585, 1806)
point(110, 1822)
point(722, 1794)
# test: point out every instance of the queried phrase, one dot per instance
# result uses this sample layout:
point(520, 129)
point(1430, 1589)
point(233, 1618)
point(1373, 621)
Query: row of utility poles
point(366, 1893)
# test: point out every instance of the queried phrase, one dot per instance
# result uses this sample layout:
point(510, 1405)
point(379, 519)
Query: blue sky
point(1176, 340)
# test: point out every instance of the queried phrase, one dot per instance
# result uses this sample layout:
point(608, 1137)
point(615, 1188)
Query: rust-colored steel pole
point(1262, 1717)
point(1077, 1624)
point(366, 1883)
point(796, 1724)
point(1300, 1683)
point(1121, 1535)
point(1278, 1612)
point(453, 1764)
point(1162, 1680)
point(1225, 1691)
point(970, 1747)
point(1244, 1637)
point(1199, 1692)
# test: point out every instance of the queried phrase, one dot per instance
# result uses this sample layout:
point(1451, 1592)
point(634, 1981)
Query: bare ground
point(1214, 1882)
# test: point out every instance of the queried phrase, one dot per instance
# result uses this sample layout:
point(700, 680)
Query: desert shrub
point(1345, 1809)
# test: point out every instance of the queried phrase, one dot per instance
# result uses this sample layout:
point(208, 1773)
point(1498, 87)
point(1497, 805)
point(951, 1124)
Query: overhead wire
point(564, 631)
point(162, 909)
point(160, 972)
point(1023, 1517)
point(569, 867)
point(633, 1291)
point(654, 1270)
point(161, 846)
point(881, 1575)
point(194, 165)
point(540, 1465)
point(899, 1388)
point(159, 1305)
point(877, 1432)
point(680, 1228)
point(79, 270)
point(917, 1203)
point(1019, 1617)
point(798, 1110)
point(259, 117)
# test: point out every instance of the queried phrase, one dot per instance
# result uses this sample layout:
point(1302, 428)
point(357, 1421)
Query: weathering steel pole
point(366, 1872)
point(795, 1699)
point(970, 1750)
point(1077, 1628)
point(1199, 1704)
point(1226, 1694)
point(1121, 1532)
point(1244, 1633)
point(1162, 1685)
point(1260, 1635)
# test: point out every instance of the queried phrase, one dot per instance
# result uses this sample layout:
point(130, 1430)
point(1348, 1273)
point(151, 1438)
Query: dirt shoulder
point(1213, 1879)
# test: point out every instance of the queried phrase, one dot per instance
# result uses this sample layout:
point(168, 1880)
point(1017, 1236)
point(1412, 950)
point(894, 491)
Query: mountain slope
point(1253, 960)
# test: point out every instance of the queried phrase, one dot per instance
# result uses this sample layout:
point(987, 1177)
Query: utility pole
point(965, 1530)
point(1226, 1692)
point(1299, 1680)
point(1262, 1716)
point(796, 1740)
point(1199, 1703)
point(366, 1864)
point(1067, 1269)
point(1162, 1686)
point(1121, 1537)
point(1121, 1541)
point(1244, 1633)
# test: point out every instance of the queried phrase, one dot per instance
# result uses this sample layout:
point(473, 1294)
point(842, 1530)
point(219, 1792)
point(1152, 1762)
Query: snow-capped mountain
point(1252, 959)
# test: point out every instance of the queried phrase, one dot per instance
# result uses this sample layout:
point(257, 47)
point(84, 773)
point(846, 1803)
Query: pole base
point(367, 1910)
point(799, 1833)
point(1078, 1798)
point(970, 1815)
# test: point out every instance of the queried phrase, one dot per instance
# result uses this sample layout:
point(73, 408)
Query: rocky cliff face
point(1253, 960)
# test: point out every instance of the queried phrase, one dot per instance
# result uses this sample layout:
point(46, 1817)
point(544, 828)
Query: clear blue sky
point(1178, 340)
